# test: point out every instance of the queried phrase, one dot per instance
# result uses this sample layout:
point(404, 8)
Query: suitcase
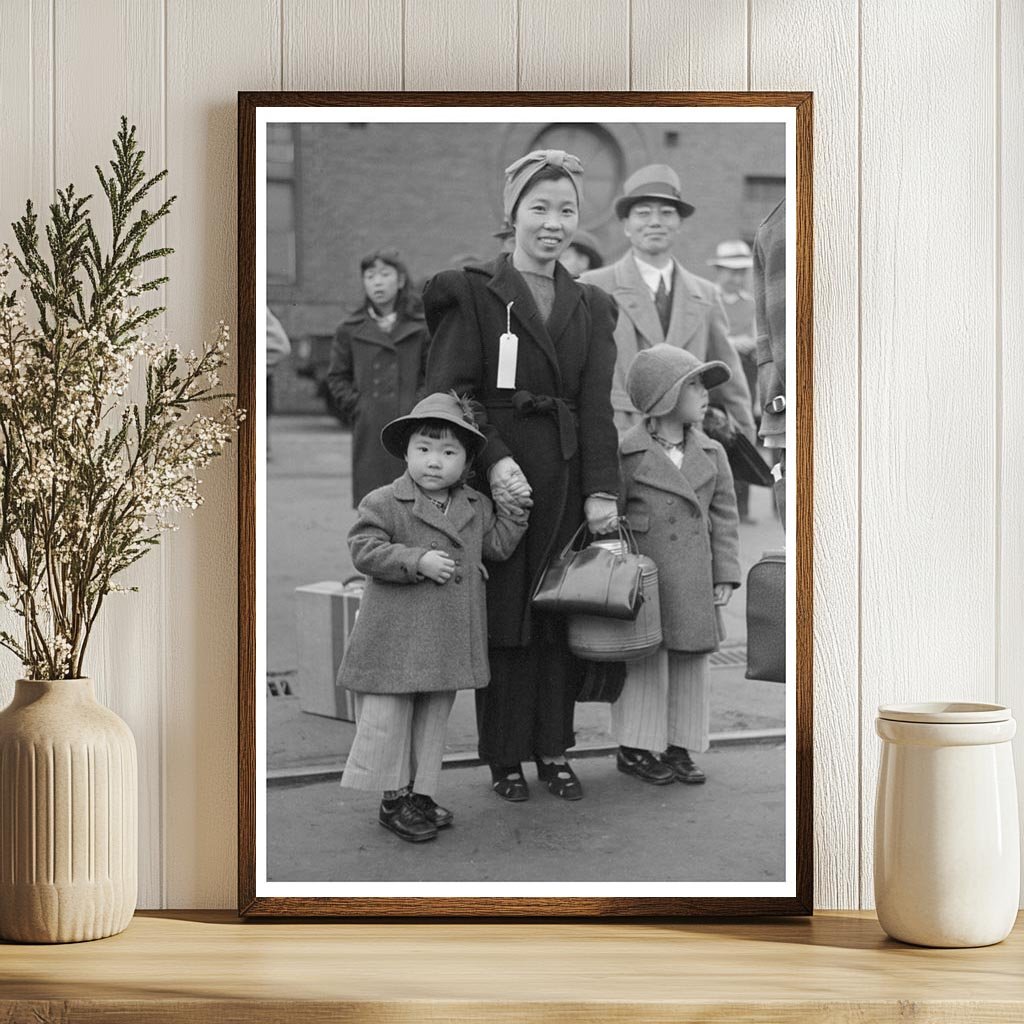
point(766, 618)
point(325, 614)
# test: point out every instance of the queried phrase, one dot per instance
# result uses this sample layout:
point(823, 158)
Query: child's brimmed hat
point(449, 408)
point(657, 375)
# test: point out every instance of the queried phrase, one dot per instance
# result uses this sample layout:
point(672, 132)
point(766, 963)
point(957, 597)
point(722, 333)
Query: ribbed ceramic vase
point(947, 847)
point(68, 815)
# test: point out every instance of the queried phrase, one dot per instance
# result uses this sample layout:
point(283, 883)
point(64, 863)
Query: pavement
point(732, 828)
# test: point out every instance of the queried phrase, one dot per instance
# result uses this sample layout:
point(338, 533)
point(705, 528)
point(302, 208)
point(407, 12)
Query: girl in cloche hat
point(681, 506)
point(421, 633)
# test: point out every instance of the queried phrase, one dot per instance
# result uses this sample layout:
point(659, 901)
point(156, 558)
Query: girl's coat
point(413, 635)
point(686, 521)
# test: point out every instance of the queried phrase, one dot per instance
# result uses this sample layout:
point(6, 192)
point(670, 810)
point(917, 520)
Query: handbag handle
point(626, 537)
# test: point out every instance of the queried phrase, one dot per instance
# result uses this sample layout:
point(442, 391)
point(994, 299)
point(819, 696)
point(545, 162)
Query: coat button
point(433, 543)
point(670, 501)
point(672, 536)
point(671, 519)
point(458, 578)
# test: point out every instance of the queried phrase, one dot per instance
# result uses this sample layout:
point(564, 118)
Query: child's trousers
point(666, 700)
point(399, 739)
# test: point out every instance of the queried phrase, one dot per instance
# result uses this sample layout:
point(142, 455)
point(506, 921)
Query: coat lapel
point(365, 329)
point(509, 286)
point(698, 467)
point(567, 298)
point(655, 469)
point(634, 299)
point(460, 512)
point(688, 306)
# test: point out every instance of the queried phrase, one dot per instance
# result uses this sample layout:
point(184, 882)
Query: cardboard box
point(325, 614)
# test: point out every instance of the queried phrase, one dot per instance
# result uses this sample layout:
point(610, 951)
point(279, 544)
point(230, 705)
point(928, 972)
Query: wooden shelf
point(209, 966)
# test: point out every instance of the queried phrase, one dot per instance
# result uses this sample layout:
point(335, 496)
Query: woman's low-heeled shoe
point(509, 782)
point(560, 779)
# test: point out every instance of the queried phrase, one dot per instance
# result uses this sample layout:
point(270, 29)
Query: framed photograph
point(473, 326)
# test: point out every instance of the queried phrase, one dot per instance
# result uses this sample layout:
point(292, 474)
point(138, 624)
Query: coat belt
point(526, 403)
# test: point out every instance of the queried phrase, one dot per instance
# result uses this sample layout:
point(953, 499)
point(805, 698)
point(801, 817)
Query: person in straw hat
point(421, 633)
point(679, 502)
point(659, 300)
point(536, 350)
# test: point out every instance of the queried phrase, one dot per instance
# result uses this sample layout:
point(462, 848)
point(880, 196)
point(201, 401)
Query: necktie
point(663, 304)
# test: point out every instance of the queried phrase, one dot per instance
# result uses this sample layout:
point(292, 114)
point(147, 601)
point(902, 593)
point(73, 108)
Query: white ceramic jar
point(947, 847)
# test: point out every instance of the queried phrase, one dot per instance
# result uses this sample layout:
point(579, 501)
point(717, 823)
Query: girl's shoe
point(406, 820)
point(509, 782)
point(679, 760)
point(560, 779)
point(438, 816)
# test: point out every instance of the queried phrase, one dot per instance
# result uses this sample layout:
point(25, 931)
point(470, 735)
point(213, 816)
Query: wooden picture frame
point(257, 897)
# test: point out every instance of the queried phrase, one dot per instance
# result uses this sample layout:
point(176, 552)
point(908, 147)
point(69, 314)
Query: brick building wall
point(433, 191)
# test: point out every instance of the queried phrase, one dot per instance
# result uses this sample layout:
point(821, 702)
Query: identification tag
point(508, 353)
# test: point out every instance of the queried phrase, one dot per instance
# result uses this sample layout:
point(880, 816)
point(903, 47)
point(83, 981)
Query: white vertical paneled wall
point(919, 306)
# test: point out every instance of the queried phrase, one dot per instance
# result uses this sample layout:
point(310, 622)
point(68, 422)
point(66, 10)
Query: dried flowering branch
point(88, 478)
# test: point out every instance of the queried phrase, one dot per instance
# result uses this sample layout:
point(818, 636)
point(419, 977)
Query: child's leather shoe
point(406, 820)
point(438, 816)
point(679, 760)
point(644, 765)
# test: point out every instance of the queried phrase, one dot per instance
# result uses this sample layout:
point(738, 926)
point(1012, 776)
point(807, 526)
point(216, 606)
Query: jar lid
point(945, 713)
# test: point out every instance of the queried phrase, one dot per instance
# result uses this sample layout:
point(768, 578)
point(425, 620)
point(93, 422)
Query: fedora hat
point(733, 255)
point(657, 374)
point(655, 181)
point(449, 408)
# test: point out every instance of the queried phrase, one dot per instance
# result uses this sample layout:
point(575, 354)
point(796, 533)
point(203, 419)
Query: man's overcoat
point(413, 635)
point(698, 324)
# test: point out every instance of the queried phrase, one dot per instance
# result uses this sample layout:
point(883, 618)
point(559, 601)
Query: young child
point(421, 633)
point(681, 506)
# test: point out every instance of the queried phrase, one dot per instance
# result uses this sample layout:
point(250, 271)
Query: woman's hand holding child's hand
point(437, 566)
point(723, 592)
point(509, 487)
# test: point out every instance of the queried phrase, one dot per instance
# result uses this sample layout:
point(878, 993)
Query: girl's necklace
point(666, 443)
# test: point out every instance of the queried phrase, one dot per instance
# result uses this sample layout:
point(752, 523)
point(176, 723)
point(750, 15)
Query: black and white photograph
point(525, 525)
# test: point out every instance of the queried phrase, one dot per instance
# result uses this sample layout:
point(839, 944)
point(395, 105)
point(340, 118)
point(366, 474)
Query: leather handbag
point(766, 618)
point(593, 580)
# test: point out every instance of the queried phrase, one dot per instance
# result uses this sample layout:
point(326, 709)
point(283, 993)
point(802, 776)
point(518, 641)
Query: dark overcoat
point(375, 377)
point(413, 635)
point(685, 520)
point(557, 421)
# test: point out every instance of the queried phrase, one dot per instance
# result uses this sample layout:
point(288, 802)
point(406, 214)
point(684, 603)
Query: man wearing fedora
point(660, 301)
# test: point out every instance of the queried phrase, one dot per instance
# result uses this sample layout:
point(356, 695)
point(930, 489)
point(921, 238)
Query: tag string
point(508, 318)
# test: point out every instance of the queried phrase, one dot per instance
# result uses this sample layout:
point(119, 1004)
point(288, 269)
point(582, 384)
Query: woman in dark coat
point(378, 362)
point(548, 421)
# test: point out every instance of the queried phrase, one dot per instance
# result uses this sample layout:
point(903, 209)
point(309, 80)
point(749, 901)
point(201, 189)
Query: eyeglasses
point(644, 211)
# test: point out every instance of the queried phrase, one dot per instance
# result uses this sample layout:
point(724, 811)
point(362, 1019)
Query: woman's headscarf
point(519, 173)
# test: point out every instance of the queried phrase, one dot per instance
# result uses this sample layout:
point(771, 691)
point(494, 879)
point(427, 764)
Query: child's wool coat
point(413, 635)
point(686, 521)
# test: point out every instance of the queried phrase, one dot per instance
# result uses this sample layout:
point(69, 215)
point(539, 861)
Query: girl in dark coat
point(378, 362)
point(548, 422)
